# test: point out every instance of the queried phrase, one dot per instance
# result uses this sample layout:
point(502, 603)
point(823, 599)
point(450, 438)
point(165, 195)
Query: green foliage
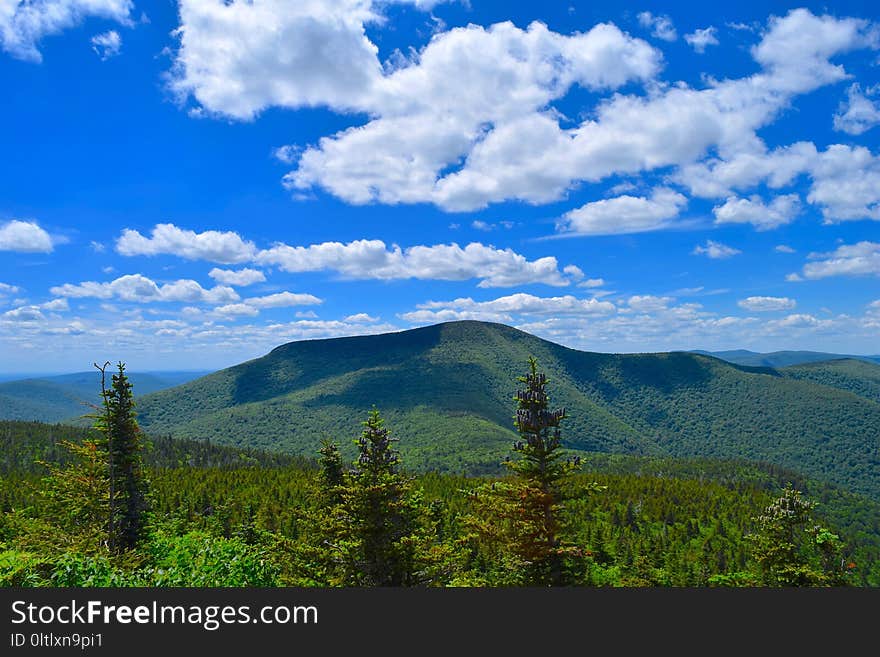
point(660, 522)
point(373, 531)
point(856, 376)
point(23, 445)
point(76, 501)
point(200, 559)
point(70, 505)
point(76, 569)
point(791, 550)
point(19, 568)
point(194, 559)
point(332, 472)
point(242, 517)
point(516, 527)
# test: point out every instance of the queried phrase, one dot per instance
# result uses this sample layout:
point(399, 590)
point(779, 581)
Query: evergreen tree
point(332, 476)
point(791, 550)
point(381, 510)
point(317, 558)
point(519, 523)
point(72, 502)
point(542, 467)
point(367, 526)
point(122, 441)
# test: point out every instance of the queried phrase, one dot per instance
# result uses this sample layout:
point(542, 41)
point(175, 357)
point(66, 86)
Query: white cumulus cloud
point(845, 179)
point(25, 237)
point(373, 259)
point(167, 239)
point(766, 304)
point(6, 288)
point(282, 300)
point(23, 314)
point(625, 214)
point(858, 113)
point(359, 259)
point(592, 282)
point(240, 278)
point(360, 318)
point(139, 288)
point(526, 154)
point(434, 135)
point(236, 58)
point(660, 25)
point(237, 310)
point(648, 303)
point(860, 259)
point(504, 309)
point(439, 101)
point(846, 184)
point(56, 305)
point(764, 216)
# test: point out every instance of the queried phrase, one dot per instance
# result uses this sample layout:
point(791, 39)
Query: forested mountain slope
point(446, 391)
point(856, 376)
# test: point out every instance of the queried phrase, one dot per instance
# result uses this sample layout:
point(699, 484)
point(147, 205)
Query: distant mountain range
point(780, 358)
point(446, 392)
point(66, 396)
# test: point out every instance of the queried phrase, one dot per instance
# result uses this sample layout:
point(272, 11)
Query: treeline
point(24, 445)
point(556, 519)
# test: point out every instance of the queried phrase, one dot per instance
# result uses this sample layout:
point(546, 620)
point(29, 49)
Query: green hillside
point(24, 445)
point(446, 390)
point(66, 396)
point(856, 376)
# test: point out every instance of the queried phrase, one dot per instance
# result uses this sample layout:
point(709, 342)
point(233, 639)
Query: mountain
point(446, 392)
point(56, 398)
point(780, 358)
point(857, 376)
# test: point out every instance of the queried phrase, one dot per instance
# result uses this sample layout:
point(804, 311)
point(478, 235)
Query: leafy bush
point(84, 570)
point(21, 569)
point(200, 559)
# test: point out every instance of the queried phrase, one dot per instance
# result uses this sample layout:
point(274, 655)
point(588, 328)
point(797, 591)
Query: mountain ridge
point(64, 396)
point(446, 391)
point(784, 358)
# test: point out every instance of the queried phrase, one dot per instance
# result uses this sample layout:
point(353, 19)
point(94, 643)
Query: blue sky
point(188, 185)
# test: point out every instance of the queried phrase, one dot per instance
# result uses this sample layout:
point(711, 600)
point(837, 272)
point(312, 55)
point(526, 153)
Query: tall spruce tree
point(542, 467)
point(367, 526)
point(518, 524)
point(122, 440)
point(382, 512)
